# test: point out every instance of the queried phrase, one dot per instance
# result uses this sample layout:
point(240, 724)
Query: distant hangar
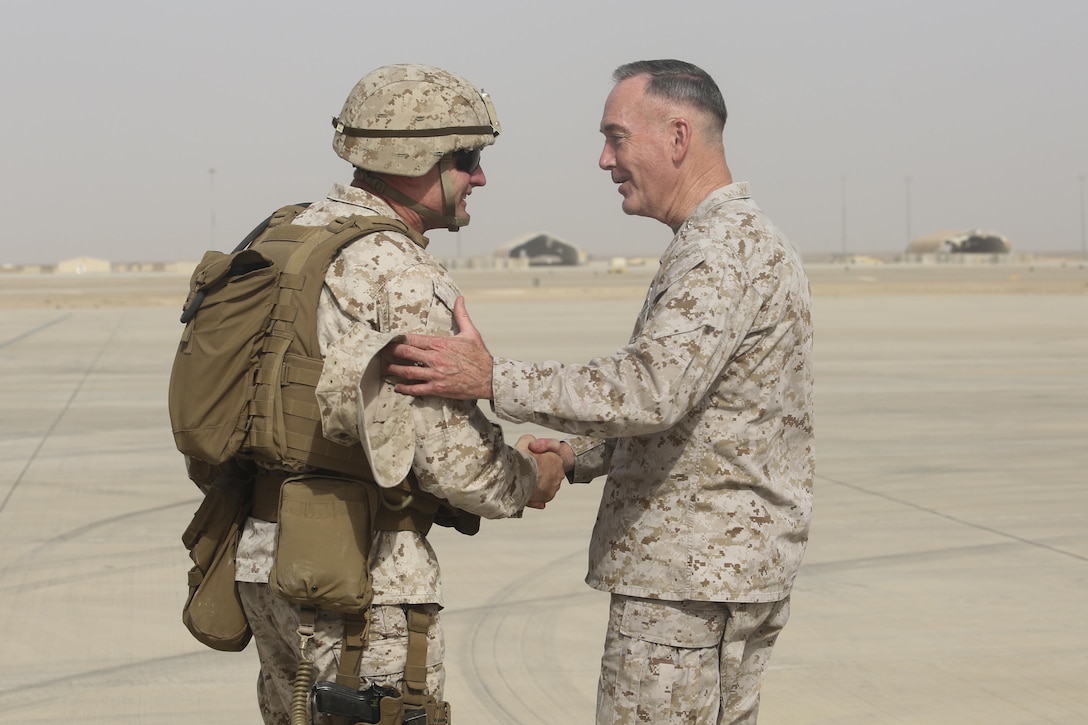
point(974, 241)
point(543, 249)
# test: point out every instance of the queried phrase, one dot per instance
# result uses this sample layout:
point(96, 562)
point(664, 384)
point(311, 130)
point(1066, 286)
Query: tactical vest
point(245, 373)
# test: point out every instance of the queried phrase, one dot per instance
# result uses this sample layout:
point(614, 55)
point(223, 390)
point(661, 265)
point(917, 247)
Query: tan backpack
point(242, 385)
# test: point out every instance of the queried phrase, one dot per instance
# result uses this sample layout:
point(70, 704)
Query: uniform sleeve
point(358, 407)
point(697, 317)
point(592, 457)
point(456, 453)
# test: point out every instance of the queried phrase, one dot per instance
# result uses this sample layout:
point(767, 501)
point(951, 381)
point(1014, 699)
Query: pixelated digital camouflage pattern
point(412, 97)
point(709, 489)
point(382, 285)
point(275, 623)
point(678, 663)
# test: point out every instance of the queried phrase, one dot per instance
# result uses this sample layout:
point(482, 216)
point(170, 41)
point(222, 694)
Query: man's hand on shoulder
point(458, 367)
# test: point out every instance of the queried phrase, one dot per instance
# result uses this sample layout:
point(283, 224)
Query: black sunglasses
point(467, 161)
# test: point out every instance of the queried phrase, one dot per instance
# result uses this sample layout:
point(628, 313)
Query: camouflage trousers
point(685, 663)
point(274, 623)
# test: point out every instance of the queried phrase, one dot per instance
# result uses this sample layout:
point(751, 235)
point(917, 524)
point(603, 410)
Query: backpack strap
point(356, 627)
point(415, 669)
point(291, 360)
point(283, 215)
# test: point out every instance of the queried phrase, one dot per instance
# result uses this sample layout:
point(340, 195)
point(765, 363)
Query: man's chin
point(462, 213)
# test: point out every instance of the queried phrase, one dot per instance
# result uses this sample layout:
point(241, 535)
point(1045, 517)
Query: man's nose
point(607, 159)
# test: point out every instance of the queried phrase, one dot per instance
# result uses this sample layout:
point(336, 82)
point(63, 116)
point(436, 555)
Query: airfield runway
point(945, 580)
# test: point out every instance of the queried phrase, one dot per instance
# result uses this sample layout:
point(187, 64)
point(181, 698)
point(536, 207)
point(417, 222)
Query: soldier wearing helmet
point(413, 120)
point(413, 134)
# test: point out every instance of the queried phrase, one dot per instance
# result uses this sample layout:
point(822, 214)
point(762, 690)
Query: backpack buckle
point(339, 224)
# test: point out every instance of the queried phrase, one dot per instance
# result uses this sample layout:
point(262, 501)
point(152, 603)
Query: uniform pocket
point(445, 292)
point(689, 625)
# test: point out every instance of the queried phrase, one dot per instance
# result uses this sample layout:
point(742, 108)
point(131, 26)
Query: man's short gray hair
point(680, 82)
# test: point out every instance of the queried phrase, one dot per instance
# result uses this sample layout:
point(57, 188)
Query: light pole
point(844, 215)
point(1083, 238)
point(909, 236)
point(211, 207)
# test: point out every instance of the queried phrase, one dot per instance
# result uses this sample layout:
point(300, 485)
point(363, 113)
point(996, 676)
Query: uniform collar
point(721, 195)
point(373, 204)
point(354, 196)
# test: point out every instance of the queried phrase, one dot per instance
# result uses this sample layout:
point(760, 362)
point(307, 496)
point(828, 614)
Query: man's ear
point(680, 138)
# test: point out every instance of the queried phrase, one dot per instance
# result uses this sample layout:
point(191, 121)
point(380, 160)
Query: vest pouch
point(324, 537)
point(213, 612)
point(415, 709)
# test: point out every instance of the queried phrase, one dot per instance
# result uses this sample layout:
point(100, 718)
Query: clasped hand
point(552, 463)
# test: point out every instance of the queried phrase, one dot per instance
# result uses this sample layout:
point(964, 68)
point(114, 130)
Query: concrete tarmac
point(944, 582)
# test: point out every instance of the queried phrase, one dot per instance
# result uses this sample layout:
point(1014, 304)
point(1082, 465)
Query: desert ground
point(943, 583)
point(590, 282)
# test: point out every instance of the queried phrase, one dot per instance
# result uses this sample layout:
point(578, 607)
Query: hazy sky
point(114, 113)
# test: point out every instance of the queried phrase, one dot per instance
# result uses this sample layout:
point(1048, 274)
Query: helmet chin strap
point(453, 222)
point(449, 218)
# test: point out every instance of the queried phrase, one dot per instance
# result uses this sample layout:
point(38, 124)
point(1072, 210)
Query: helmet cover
point(402, 119)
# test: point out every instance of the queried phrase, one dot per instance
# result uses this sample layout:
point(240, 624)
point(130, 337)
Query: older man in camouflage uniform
point(380, 285)
point(703, 422)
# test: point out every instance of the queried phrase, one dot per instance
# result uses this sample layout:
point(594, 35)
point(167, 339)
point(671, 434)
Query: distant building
point(83, 265)
point(542, 249)
point(141, 266)
point(27, 269)
point(858, 259)
point(974, 246)
point(975, 241)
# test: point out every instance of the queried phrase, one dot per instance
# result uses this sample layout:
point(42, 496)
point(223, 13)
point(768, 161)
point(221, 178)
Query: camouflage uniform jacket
point(380, 286)
point(706, 417)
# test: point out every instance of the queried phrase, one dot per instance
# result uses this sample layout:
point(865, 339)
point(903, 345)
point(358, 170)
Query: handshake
point(553, 459)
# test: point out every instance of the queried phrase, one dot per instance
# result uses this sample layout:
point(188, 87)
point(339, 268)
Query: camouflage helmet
point(402, 119)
